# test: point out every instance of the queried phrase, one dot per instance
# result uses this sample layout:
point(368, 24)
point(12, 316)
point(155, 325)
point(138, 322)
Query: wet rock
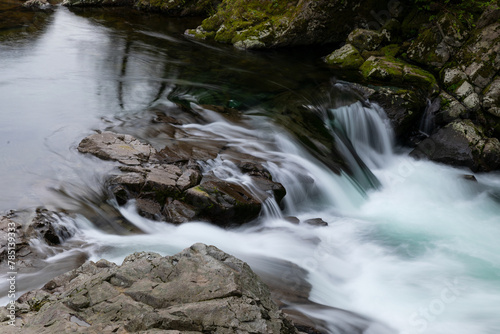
point(462, 143)
point(46, 227)
point(178, 212)
point(404, 107)
point(201, 289)
point(224, 202)
point(347, 57)
point(179, 192)
point(316, 222)
point(111, 146)
point(37, 4)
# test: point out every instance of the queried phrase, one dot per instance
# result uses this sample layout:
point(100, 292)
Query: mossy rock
point(179, 7)
point(347, 57)
point(274, 23)
point(398, 72)
point(364, 39)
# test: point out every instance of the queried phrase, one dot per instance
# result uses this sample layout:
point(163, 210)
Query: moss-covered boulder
point(179, 7)
point(347, 57)
point(398, 72)
point(271, 23)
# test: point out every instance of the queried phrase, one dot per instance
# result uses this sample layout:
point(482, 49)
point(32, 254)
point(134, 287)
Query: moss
point(391, 50)
point(347, 57)
point(398, 72)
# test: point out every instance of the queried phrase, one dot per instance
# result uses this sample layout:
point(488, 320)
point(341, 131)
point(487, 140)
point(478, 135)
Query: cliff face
point(200, 290)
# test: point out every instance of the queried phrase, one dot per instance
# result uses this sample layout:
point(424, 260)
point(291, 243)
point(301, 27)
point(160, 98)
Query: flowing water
point(410, 246)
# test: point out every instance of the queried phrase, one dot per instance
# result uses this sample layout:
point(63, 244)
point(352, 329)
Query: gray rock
point(491, 97)
point(199, 290)
point(364, 39)
point(461, 143)
point(111, 146)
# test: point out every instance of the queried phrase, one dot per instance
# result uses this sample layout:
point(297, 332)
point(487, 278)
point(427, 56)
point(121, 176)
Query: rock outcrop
point(259, 24)
point(169, 185)
point(200, 290)
point(461, 61)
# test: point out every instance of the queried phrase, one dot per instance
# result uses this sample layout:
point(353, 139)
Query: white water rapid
point(418, 254)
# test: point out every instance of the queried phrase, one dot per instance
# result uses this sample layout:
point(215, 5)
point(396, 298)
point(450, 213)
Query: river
point(418, 252)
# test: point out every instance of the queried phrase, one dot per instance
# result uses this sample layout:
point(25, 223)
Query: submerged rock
point(199, 290)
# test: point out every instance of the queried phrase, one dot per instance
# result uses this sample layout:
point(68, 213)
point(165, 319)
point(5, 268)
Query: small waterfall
point(368, 130)
point(427, 123)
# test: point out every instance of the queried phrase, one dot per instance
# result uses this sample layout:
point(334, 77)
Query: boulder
point(112, 146)
point(199, 290)
point(461, 143)
point(398, 72)
point(347, 57)
point(365, 40)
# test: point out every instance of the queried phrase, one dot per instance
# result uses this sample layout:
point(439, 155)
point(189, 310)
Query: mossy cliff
point(271, 23)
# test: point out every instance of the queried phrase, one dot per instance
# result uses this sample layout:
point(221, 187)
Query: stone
point(461, 143)
point(450, 110)
point(199, 290)
point(491, 97)
point(347, 57)
point(224, 203)
point(118, 147)
point(364, 39)
point(453, 76)
point(464, 90)
point(395, 71)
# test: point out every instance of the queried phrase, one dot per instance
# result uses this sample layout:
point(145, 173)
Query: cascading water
point(411, 246)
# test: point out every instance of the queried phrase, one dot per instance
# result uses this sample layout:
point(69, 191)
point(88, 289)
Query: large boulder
point(258, 24)
point(462, 143)
point(397, 72)
point(200, 290)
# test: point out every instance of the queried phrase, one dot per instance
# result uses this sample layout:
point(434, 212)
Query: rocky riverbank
point(200, 290)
